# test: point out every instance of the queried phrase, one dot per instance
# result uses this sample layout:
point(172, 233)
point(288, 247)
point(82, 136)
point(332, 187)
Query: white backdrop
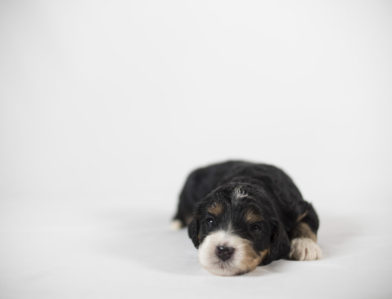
point(105, 106)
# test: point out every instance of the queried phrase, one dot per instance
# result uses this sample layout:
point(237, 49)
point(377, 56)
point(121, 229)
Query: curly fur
point(280, 216)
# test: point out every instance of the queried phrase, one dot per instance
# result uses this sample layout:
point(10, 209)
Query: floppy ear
point(193, 231)
point(280, 243)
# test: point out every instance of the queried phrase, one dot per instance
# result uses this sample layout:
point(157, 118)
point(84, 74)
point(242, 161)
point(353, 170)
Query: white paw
point(304, 249)
point(176, 225)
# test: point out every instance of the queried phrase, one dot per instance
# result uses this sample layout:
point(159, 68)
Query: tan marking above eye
point(215, 209)
point(251, 216)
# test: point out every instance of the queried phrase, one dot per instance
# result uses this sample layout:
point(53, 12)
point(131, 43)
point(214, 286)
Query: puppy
point(241, 215)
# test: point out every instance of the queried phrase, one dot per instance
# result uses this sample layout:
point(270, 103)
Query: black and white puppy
point(241, 215)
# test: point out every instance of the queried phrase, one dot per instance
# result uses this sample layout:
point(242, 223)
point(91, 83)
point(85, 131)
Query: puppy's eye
point(255, 227)
point(210, 222)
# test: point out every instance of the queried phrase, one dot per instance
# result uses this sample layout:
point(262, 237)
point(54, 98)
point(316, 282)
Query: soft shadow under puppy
point(145, 237)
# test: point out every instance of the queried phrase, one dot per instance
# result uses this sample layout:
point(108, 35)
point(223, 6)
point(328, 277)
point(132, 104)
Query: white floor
point(95, 248)
point(105, 106)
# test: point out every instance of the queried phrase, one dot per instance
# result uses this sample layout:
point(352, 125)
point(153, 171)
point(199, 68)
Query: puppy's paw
point(176, 224)
point(304, 249)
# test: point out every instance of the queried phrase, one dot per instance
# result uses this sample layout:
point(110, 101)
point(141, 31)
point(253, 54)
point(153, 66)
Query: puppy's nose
point(224, 252)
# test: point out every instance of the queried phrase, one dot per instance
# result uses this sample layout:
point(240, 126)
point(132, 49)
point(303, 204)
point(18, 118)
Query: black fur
point(271, 193)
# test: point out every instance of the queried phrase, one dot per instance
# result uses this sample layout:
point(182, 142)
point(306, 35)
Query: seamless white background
point(105, 106)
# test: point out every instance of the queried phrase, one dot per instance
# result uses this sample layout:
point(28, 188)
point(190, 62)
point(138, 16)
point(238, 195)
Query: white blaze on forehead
point(244, 258)
point(239, 193)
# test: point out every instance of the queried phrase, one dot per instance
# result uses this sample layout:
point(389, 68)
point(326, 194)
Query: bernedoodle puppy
point(241, 215)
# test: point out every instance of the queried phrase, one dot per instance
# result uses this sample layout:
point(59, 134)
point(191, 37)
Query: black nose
point(224, 252)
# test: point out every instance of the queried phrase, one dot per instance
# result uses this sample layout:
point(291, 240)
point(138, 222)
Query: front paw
point(304, 249)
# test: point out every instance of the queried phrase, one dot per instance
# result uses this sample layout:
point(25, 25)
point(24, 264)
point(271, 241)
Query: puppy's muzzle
point(225, 253)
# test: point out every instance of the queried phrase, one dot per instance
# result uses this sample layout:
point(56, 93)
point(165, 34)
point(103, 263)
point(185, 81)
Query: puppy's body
point(241, 214)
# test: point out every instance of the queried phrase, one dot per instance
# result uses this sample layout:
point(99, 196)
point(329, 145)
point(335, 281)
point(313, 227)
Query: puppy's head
point(235, 229)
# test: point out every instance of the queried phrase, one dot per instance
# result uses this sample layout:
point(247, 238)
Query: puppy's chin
point(243, 260)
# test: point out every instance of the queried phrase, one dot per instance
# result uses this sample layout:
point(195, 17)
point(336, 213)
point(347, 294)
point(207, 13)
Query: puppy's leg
point(303, 237)
point(183, 215)
point(176, 224)
point(194, 189)
point(179, 220)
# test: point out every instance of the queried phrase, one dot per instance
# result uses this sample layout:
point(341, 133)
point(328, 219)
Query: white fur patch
point(238, 193)
point(244, 258)
point(176, 225)
point(304, 249)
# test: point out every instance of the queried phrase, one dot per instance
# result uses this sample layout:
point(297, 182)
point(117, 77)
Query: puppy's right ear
point(193, 231)
point(280, 243)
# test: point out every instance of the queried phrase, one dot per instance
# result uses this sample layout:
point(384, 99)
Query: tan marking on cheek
point(215, 209)
point(251, 216)
point(252, 258)
point(264, 253)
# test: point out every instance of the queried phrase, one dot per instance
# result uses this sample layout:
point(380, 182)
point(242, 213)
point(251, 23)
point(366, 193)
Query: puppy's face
point(234, 230)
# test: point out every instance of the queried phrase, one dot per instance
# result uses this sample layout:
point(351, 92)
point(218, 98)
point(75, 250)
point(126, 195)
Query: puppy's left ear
point(193, 231)
point(280, 243)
